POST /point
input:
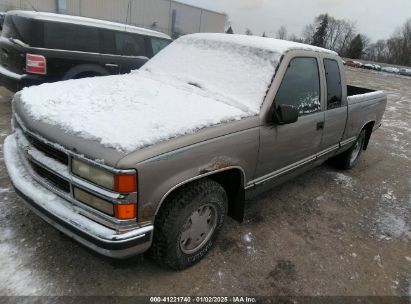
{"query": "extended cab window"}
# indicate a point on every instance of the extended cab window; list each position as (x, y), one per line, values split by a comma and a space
(157, 44)
(301, 86)
(130, 45)
(71, 37)
(334, 90)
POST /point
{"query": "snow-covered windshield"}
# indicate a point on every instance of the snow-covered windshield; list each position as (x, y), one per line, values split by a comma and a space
(239, 72)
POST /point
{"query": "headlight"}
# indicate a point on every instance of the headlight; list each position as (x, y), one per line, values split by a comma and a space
(123, 183)
(93, 174)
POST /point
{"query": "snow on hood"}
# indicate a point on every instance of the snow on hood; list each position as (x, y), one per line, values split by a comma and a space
(196, 82)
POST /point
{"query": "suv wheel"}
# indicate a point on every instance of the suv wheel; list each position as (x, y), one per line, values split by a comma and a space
(188, 224)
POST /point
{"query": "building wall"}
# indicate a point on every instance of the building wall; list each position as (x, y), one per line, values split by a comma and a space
(170, 17)
(212, 22)
(154, 14)
(104, 9)
(187, 18)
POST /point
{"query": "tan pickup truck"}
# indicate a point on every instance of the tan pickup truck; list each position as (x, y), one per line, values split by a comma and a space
(156, 159)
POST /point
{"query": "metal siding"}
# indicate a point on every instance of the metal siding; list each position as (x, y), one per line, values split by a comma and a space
(212, 22)
(143, 13)
(188, 18)
(7, 5)
(154, 11)
(73, 7)
(105, 9)
(41, 5)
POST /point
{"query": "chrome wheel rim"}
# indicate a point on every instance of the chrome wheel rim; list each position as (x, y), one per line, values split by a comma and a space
(356, 150)
(198, 228)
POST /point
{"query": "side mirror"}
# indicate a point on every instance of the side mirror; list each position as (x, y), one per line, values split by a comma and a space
(285, 114)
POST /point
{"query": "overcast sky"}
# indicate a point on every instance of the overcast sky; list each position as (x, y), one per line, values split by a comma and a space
(375, 18)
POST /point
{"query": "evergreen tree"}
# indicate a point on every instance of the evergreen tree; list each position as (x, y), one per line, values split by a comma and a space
(264, 35)
(320, 34)
(229, 30)
(356, 47)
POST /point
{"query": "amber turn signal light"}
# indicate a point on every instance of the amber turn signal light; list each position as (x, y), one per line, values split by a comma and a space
(126, 211)
(125, 183)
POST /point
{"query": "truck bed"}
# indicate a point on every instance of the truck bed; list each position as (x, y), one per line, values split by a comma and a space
(363, 105)
(353, 90)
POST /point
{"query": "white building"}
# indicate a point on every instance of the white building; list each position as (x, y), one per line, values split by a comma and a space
(171, 17)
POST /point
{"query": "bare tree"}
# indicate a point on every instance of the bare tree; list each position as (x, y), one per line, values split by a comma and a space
(336, 34)
(281, 33)
(293, 37)
(347, 35)
(248, 32)
(308, 33)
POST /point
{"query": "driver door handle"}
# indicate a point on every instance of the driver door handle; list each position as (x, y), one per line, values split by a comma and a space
(320, 125)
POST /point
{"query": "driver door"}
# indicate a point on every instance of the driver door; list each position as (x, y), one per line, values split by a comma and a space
(292, 147)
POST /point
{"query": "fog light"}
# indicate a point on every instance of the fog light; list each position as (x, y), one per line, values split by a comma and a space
(94, 201)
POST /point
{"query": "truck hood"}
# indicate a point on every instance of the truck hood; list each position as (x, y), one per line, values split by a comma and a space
(113, 116)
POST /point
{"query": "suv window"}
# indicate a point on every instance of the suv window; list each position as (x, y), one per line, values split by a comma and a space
(107, 43)
(301, 86)
(130, 45)
(25, 29)
(71, 37)
(157, 44)
(334, 89)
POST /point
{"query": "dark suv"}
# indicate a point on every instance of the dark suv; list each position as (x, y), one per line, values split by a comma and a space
(43, 47)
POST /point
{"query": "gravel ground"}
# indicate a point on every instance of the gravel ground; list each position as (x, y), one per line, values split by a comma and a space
(323, 233)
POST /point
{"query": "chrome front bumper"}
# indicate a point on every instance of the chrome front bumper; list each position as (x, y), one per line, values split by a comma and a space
(67, 217)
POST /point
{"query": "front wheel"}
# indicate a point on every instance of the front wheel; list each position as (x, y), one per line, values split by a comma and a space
(349, 158)
(187, 226)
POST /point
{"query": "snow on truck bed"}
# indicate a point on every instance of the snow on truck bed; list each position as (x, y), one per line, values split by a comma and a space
(198, 81)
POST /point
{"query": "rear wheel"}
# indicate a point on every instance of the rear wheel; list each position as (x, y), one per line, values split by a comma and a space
(188, 224)
(85, 70)
(349, 158)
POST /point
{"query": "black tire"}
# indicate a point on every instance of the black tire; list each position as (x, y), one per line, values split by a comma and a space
(85, 70)
(171, 223)
(349, 158)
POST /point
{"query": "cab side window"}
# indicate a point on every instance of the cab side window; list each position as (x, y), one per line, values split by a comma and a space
(334, 90)
(301, 86)
(157, 44)
(130, 45)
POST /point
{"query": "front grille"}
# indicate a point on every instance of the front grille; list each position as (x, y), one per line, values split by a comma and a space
(51, 178)
(48, 150)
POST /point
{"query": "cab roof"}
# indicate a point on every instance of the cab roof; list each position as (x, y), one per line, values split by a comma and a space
(264, 43)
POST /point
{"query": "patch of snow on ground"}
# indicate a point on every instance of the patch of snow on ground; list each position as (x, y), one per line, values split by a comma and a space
(4, 190)
(220, 274)
(15, 276)
(378, 260)
(345, 180)
(393, 217)
(248, 237)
